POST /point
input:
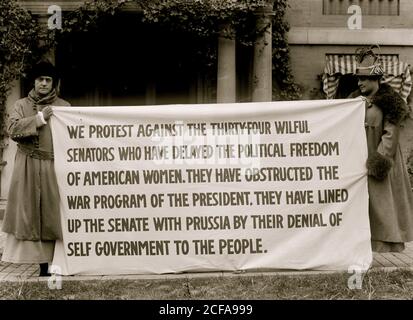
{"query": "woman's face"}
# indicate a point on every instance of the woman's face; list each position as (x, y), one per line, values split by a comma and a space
(43, 85)
(367, 85)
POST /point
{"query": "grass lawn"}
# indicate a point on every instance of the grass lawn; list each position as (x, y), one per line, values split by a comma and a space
(375, 285)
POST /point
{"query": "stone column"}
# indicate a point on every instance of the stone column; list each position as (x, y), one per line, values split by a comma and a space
(226, 77)
(262, 65)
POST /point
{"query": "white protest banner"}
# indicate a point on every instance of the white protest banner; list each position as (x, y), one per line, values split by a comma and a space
(161, 189)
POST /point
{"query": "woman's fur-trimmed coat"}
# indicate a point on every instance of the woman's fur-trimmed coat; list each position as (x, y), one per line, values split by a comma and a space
(390, 194)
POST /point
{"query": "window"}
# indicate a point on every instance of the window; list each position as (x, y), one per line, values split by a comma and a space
(368, 7)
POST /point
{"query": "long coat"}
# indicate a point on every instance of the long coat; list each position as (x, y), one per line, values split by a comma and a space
(390, 194)
(32, 211)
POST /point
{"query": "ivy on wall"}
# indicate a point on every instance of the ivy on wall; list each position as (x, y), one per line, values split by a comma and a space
(281, 65)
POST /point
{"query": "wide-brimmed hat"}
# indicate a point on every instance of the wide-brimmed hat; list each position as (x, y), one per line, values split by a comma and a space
(44, 68)
(368, 63)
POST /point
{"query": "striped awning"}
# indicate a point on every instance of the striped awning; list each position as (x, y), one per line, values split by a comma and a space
(396, 73)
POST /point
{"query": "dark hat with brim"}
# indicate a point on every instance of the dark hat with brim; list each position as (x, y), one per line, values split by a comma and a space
(45, 69)
(368, 65)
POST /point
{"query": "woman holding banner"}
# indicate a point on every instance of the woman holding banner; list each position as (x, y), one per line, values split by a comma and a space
(390, 193)
(32, 218)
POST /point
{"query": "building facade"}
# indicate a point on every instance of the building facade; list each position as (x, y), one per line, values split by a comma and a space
(323, 28)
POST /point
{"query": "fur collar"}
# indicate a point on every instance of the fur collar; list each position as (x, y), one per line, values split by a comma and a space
(393, 107)
(391, 104)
